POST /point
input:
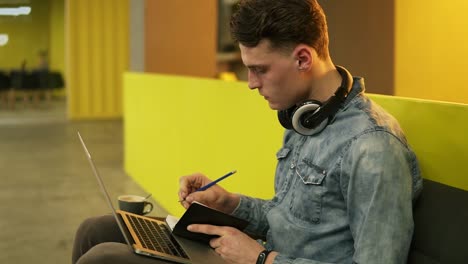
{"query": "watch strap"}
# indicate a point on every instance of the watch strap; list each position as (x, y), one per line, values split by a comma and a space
(262, 256)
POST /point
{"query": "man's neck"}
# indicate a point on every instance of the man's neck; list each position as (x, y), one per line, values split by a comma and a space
(325, 81)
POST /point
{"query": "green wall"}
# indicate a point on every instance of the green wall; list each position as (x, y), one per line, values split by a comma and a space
(41, 30)
(57, 36)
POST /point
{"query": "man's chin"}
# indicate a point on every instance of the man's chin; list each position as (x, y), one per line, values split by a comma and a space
(278, 106)
(275, 106)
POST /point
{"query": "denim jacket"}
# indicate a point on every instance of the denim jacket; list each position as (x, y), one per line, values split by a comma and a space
(342, 195)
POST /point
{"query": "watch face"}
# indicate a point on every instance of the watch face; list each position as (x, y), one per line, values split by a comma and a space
(262, 257)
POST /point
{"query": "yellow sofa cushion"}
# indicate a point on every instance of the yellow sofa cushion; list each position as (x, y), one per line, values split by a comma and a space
(437, 131)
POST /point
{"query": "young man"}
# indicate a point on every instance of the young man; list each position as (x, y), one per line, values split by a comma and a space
(346, 178)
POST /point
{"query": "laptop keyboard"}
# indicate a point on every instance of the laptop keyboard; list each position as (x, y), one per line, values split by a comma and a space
(156, 237)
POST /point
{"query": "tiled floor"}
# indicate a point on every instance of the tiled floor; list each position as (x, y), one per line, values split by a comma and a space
(47, 187)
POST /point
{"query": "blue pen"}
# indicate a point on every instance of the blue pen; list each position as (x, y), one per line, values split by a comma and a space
(216, 181)
(203, 188)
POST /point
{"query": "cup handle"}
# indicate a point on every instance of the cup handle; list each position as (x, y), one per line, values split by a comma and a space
(150, 208)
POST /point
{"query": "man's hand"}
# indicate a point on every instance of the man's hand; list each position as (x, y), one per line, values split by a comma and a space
(215, 196)
(233, 245)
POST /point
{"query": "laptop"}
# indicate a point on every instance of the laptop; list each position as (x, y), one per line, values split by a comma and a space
(152, 237)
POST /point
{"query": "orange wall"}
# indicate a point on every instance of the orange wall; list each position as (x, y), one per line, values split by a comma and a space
(362, 39)
(181, 37)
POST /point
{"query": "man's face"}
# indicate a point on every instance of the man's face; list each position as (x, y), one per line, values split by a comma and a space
(274, 74)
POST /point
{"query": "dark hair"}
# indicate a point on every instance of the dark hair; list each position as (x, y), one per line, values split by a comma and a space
(285, 23)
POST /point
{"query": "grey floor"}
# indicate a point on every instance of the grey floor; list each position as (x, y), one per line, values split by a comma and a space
(47, 187)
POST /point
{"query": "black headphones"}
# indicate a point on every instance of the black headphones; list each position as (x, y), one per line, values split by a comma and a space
(307, 116)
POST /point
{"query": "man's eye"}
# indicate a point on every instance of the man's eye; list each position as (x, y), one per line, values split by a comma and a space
(260, 70)
(257, 70)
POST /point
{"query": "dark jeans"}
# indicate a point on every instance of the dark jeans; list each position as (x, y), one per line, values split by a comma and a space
(99, 240)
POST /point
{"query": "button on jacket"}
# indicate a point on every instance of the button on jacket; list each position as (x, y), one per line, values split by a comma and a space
(343, 194)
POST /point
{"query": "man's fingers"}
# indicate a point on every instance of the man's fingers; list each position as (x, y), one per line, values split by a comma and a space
(182, 195)
(185, 204)
(207, 229)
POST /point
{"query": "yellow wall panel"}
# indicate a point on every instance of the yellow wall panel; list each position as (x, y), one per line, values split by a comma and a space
(97, 56)
(437, 133)
(431, 49)
(180, 125)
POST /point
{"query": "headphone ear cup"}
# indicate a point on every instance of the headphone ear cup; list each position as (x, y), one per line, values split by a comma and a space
(302, 116)
(284, 117)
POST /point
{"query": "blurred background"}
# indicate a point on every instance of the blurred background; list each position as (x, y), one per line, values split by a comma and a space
(61, 66)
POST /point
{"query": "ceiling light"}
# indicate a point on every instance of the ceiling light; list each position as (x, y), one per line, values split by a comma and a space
(3, 39)
(15, 11)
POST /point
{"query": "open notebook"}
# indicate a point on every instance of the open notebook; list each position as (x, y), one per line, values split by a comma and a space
(199, 213)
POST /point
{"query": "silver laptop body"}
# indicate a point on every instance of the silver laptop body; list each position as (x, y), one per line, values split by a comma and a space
(151, 237)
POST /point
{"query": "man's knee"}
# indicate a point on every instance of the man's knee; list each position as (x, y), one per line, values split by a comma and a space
(97, 221)
(94, 231)
(86, 225)
(93, 226)
(105, 253)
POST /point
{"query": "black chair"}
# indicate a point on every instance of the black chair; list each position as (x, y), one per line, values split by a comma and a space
(4, 81)
(441, 226)
(5, 89)
(26, 84)
(17, 79)
(31, 82)
(56, 80)
(40, 80)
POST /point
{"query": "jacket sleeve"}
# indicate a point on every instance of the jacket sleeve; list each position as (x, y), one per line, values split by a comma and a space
(377, 187)
(253, 210)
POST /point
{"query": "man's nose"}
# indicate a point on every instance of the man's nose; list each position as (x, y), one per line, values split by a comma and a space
(254, 83)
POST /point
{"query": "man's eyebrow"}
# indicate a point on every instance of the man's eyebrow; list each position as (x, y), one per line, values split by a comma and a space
(255, 66)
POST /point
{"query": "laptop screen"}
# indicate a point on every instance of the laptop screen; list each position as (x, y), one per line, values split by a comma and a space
(104, 191)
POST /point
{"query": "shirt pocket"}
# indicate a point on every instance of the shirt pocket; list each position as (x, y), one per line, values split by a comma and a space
(309, 188)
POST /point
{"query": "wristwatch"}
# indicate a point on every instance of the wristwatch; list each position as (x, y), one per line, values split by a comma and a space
(262, 256)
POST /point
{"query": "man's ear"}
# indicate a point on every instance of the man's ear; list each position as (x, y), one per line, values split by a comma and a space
(303, 56)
